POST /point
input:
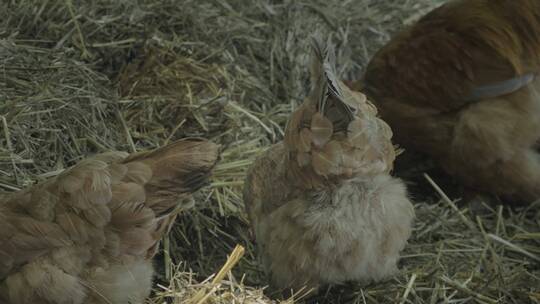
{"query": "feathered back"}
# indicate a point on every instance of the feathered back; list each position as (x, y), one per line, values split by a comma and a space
(174, 172)
(110, 205)
(335, 133)
(178, 169)
(459, 53)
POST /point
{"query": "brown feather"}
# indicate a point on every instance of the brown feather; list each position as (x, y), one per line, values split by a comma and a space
(74, 226)
(328, 161)
(138, 172)
(305, 140)
(357, 135)
(322, 129)
(460, 85)
(118, 172)
(88, 233)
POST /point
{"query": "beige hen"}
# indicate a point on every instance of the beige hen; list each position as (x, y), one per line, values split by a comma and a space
(322, 204)
(88, 235)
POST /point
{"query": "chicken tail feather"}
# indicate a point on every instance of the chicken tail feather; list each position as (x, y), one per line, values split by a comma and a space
(335, 133)
(176, 171)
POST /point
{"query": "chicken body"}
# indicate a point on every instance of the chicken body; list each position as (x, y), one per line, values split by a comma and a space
(461, 86)
(322, 204)
(88, 235)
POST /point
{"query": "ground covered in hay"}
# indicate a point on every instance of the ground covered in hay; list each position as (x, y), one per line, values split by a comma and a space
(82, 77)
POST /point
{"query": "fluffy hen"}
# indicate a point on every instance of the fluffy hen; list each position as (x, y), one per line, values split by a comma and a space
(322, 204)
(88, 235)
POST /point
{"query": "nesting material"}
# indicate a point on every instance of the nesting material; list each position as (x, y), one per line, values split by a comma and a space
(230, 71)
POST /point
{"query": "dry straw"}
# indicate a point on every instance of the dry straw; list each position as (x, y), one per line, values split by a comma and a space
(82, 77)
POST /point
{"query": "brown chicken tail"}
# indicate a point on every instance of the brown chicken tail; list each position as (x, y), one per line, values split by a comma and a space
(176, 171)
(335, 133)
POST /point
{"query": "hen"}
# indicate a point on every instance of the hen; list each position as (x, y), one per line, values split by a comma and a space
(461, 86)
(88, 235)
(322, 204)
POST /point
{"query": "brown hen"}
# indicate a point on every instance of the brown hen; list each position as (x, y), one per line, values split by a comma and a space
(322, 204)
(88, 235)
(461, 86)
